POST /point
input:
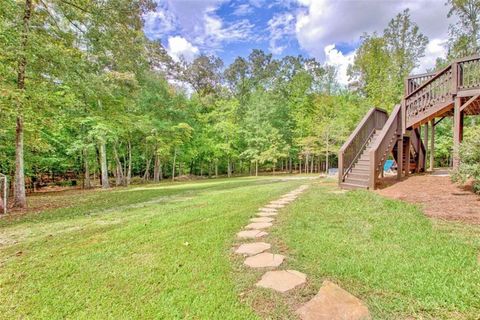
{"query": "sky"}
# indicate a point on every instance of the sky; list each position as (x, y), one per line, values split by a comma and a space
(328, 30)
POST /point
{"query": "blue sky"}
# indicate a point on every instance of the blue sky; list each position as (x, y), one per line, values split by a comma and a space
(328, 30)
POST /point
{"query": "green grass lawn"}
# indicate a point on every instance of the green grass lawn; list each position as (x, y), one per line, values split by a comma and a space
(385, 252)
(148, 252)
(165, 252)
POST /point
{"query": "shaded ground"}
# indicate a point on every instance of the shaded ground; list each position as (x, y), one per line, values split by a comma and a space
(438, 196)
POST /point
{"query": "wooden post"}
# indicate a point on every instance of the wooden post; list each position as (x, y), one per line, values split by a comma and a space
(457, 132)
(432, 145)
(399, 157)
(425, 143)
(407, 157)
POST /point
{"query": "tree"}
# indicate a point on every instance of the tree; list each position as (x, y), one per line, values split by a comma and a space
(383, 62)
(470, 160)
(465, 33)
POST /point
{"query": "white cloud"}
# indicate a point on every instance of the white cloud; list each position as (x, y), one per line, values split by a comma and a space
(322, 22)
(435, 49)
(280, 27)
(341, 61)
(243, 10)
(159, 23)
(214, 33)
(180, 47)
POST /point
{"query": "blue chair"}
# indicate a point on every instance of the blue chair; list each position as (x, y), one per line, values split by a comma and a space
(388, 165)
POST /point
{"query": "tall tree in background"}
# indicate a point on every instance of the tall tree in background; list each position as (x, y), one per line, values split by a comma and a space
(465, 34)
(382, 62)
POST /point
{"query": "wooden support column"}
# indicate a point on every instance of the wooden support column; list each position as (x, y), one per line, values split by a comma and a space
(457, 132)
(399, 156)
(432, 145)
(425, 143)
(407, 156)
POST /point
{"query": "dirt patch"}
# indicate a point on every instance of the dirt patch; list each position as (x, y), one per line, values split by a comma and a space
(438, 196)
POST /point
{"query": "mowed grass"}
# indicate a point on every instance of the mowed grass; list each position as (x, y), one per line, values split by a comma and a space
(155, 252)
(385, 252)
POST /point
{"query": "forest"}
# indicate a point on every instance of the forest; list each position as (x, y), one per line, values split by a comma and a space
(87, 99)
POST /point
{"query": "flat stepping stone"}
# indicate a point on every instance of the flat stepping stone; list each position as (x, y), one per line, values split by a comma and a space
(253, 248)
(282, 281)
(259, 225)
(267, 214)
(267, 209)
(332, 302)
(264, 260)
(262, 219)
(275, 206)
(284, 202)
(251, 234)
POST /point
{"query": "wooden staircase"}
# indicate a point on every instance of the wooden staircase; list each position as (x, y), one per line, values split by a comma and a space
(453, 91)
(359, 175)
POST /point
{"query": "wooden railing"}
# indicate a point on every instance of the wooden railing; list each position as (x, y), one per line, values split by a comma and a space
(436, 91)
(358, 140)
(429, 97)
(415, 81)
(384, 143)
(469, 73)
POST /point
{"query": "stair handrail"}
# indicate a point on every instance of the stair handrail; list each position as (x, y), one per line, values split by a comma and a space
(357, 141)
(382, 144)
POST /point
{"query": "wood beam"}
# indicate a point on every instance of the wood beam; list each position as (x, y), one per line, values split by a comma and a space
(407, 156)
(425, 143)
(457, 132)
(399, 157)
(432, 145)
(441, 119)
(469, 102)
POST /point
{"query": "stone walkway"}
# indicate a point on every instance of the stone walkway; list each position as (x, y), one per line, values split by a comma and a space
(331, 302)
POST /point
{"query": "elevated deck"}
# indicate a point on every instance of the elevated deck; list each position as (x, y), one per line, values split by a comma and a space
(452, 92)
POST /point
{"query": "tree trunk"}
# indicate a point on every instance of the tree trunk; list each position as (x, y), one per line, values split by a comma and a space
(86, 181)
(119, 178)
(104, 166)
(129, 170)
(256, 168)
(229, 168)
(290, 164)
(312, 163)
(326, 156)
(20, 197)
(216, 168)
(306, 163)
(156, 169)
(174, 164)
(146, 175)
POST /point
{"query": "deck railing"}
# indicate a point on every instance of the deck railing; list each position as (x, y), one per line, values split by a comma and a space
(384, 143)
(415, 81)
(469, 74)
(358, 140)
(426, 99)
(436, 91)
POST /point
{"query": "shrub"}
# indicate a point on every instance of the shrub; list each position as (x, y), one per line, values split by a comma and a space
(469, 160)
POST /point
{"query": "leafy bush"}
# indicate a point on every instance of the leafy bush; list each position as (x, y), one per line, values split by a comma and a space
(469, 160)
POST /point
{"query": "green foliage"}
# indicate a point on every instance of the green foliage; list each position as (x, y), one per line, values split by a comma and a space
(469, 159)
(383, 62)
